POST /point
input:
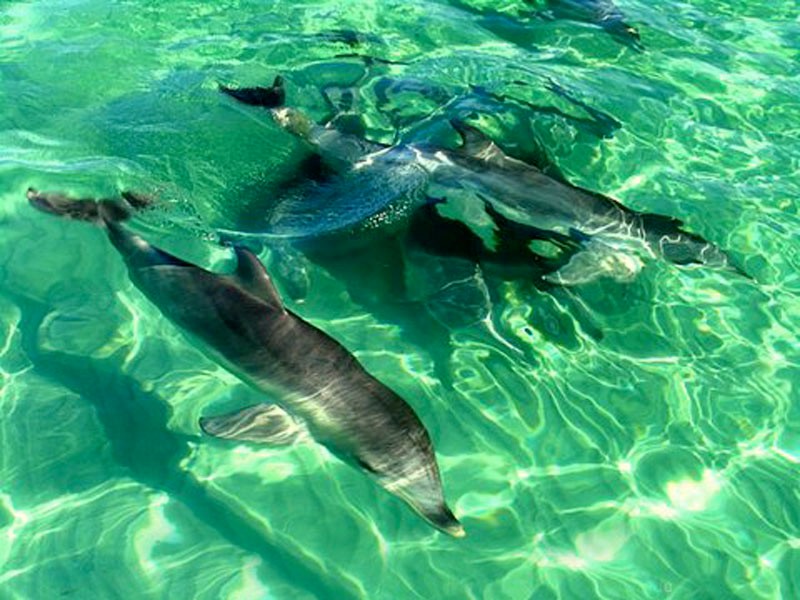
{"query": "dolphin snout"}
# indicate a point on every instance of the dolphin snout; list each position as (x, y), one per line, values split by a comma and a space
(456, 531)
(445, 521)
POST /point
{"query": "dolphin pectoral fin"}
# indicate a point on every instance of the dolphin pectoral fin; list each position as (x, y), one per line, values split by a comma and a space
(261, 424)
(596, 260)
(253, 277)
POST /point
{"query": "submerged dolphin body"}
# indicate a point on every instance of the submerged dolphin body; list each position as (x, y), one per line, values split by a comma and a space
(513, 25)
(318, 385)
(596, 235)
(359, 195)
(603, 13)
(609, 237)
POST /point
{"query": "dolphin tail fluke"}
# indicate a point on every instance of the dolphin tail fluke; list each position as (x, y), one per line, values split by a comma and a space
(261, 424)
(87, 209)
(78, 209)
(273, 96)
(108, 214)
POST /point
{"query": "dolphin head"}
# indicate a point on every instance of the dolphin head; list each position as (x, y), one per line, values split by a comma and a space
(692, 249)
(445, 521)
(686, 248)
(434, 510)
(422, 491)
(667, 237)
(624, 33)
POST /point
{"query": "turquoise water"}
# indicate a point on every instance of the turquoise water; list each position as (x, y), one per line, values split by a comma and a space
(612, 440)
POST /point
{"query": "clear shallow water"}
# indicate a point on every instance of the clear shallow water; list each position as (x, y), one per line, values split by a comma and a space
(635, 440)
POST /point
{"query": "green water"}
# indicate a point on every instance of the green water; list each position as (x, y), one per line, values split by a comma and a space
(637, 440)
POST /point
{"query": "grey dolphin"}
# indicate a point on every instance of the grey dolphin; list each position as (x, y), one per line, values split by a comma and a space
(318, 386)
(341, 192)
(604, 237)
(610, 237)
(513, 25)
(603, 13)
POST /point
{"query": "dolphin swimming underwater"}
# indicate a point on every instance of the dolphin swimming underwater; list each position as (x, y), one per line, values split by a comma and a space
(598, 235)
(318, 386)
(609, 237)
(603, 13)
(510, 22)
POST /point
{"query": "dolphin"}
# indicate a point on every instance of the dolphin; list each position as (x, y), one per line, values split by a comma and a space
(607, 237)
(317, 385)
(513, 25)
(592, 234)
(603, 13)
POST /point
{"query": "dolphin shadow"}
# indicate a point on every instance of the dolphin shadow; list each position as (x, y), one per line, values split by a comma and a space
(135, 423)
(448, 252)
(374, 274)
(511, 260)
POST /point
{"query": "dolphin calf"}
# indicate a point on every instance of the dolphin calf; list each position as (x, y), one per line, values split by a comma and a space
(318, 387)
(592, 234)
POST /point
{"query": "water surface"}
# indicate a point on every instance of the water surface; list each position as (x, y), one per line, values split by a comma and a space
(637, 440)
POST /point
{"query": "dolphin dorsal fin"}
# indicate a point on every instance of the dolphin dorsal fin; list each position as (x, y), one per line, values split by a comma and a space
(476, 144)
(253, 277)
(474, 141)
